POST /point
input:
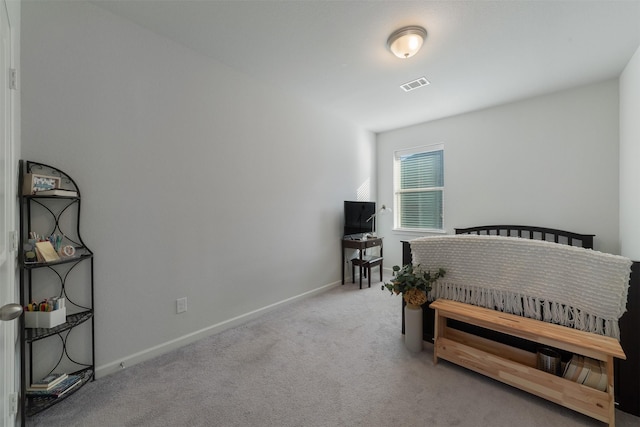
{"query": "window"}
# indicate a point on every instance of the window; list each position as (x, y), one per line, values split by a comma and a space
(419, 188)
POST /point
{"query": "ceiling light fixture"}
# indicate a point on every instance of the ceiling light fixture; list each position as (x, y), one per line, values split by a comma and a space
(407, 41)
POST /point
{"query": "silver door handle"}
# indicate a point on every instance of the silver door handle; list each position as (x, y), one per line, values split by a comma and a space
(10, 311)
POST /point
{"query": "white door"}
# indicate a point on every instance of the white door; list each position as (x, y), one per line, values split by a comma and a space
(8, 329)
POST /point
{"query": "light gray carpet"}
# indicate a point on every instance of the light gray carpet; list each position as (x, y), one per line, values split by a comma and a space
(336, 359)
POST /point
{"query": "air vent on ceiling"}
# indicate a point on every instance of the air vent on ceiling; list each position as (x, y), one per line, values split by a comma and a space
(415, 84)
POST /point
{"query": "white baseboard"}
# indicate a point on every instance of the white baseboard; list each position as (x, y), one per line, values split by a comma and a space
(158, 350)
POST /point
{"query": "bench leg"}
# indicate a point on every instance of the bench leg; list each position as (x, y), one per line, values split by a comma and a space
(612, 405)
(437, 332)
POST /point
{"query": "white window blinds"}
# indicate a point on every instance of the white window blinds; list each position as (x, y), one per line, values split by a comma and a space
(419, 188)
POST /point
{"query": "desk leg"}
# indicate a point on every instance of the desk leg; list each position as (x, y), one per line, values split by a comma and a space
(361, 250)
(342, 261)
(381, 262)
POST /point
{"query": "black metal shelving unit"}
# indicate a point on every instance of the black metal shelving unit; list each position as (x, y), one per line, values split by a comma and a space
(54, 215)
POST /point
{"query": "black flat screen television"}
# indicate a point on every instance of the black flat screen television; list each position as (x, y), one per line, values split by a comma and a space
(356, 215)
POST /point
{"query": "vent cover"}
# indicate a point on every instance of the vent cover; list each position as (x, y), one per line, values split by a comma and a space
(415, 84)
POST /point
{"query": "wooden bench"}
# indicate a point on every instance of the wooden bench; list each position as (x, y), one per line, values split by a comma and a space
(517, 367)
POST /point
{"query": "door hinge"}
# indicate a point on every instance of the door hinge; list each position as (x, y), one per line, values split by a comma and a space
(13, 79)
(13, 403)
(14, 240)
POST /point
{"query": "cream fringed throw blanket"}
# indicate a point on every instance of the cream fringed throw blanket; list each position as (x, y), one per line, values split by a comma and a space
(571, 286)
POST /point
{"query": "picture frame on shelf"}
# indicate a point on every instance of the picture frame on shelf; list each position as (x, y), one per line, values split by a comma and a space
(35, 182)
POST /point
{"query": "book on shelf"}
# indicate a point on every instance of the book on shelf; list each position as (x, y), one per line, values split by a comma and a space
(45, 252)
(57, 192)
(583, 371)
(574, 368)
(594, 373)
(587, 371)
(60, 389)
(48, 382)
(604, 378)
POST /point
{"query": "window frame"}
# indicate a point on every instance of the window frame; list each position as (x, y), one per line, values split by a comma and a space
(397, 191)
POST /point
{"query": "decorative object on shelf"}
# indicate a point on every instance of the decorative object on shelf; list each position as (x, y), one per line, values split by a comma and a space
(67, 251)
(41, 249)
(413, 283)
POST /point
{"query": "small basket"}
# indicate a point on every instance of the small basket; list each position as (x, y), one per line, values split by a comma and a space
(45, 319)
(549, 360)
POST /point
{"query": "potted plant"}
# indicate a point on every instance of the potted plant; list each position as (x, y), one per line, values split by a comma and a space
(413, 283)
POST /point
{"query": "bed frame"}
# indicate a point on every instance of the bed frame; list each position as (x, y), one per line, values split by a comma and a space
(627, 381)
(533, 233)
(522, 231)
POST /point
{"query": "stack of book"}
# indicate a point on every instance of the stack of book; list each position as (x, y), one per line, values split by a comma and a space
(53, 385)
(587, 371)
(57, 192)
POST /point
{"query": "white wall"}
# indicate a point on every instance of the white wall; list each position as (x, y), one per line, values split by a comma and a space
(550, 161)
(629, 159)
(196, 181)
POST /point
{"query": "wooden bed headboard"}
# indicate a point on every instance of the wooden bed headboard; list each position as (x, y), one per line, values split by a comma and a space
(534, 233)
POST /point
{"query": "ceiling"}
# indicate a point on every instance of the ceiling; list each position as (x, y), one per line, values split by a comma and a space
(333, 54)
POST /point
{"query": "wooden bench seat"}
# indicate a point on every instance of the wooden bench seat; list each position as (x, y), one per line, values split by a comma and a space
(517, 367)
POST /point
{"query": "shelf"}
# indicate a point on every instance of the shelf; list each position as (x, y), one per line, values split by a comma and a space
(54, 215)
(52, 197)
(518, 368)
(572, 395)
(35, 404)
(86, 253)
(73, 320)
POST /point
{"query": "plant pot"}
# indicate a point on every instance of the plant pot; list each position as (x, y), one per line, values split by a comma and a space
(413, 327)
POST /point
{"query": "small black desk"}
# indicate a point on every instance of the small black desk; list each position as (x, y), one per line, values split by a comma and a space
(362, 245)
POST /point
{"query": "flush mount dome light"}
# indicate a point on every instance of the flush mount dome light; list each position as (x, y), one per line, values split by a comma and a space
(407, 41)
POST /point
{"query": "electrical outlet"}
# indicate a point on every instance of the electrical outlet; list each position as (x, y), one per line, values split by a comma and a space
(181, 305)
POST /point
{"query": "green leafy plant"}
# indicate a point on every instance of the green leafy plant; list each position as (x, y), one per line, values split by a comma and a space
(413, 282)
